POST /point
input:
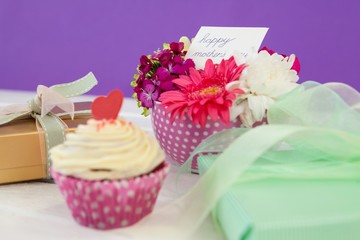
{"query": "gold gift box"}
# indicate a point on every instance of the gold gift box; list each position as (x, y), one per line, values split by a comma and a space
(20, 150)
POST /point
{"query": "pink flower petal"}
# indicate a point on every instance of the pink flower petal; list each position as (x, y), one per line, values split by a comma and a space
(195, 76)
(172, 107)
(172, 96)
(203, 101)
(183, 81)
(224, 114)
(209, 69)
(182, 113)
(213, 111)
(190, 110)
(202, 115)
(174, 114)
(196, 108)
(221, 69)
(219, 100)
(237, 73)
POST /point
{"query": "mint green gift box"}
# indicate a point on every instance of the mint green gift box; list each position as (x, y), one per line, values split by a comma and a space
(296, 179)
(275, 209)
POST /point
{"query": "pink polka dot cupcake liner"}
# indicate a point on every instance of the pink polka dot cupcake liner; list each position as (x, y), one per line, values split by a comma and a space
(109, 204)
(180, 138)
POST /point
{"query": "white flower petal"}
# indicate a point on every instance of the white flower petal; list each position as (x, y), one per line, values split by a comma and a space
(237, 109)
(239, 58)
(232, 85)
(258, 105)
(247, 117)
(292, 59)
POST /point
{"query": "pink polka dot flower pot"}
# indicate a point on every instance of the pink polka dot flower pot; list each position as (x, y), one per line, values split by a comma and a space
(109, 204)
(189, 103)
(179, 138)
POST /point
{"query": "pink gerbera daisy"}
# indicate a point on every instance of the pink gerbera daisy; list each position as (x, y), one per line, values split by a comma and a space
(203, 93)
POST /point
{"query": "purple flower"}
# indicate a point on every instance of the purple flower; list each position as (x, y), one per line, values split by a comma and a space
(137, 90)
(182, 68)
(178, 60)
(149, 94)
(165, 57)
(156, 74)
(145, 64)
(189, 63)
(140, 78)
(177, 47)
(168, 85)
(139, 83)
(162, 74)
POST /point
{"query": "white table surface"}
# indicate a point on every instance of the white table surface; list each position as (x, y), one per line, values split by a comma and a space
(36, 210)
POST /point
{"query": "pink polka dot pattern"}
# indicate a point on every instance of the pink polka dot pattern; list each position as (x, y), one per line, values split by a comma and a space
(180, 138)
(109, 204)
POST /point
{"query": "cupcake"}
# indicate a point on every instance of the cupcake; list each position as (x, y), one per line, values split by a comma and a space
(109, 170)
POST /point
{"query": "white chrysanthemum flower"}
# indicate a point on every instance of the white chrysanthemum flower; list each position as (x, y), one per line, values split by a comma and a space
(265, 79)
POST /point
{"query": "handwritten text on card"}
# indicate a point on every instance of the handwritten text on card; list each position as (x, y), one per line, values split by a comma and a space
(218, 43)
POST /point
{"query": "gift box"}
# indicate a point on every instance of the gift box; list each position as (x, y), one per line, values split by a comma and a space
(20, 147)
(293, 209)
(28, 131)
(298, 177)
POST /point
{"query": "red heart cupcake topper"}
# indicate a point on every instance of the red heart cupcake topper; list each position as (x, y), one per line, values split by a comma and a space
(107, 107)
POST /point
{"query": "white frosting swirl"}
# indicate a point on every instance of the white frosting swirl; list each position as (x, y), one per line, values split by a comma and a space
(107, 150)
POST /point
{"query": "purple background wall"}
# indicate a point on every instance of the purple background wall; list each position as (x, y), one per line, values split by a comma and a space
(48, 42)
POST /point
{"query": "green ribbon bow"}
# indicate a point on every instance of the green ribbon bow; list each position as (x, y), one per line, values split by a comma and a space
(41, 106)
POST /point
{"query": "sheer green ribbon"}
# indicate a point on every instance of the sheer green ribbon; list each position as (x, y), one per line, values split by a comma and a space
(314, 133)
(41, 106)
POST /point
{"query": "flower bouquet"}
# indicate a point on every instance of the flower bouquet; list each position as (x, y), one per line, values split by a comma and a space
(189, 104)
